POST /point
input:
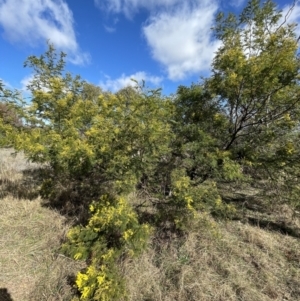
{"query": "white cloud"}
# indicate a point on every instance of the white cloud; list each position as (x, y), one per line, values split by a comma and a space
(33, 21)
(237, 3)
(177, 32)
(125, 81)
(181, 40)
(5, 83)
(26, 81)
(130, 7)
(109, 29)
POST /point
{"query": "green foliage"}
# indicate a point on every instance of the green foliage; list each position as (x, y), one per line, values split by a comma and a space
(255, 73)
(201, 125)
(5, 131)
(113, 232)
(256, 80)
(10, 115)
(188, 200)
(241, 123)
(101, 283)
(92, 141)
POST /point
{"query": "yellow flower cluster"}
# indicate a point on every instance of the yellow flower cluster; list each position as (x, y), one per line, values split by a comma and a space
(95, 281)
(127, 234)
(101, 280)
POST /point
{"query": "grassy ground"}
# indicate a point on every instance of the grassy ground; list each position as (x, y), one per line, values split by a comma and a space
(30, 235)
(244, 260)
(220, 262)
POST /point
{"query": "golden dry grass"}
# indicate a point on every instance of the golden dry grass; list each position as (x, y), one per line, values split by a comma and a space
(30, 236)
(218, 262)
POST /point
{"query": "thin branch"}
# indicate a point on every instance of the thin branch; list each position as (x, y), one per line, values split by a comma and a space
(287, 15)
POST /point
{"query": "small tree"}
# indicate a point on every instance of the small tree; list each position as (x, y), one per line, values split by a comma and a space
(256, 81)
(255, 73)
(94, 142)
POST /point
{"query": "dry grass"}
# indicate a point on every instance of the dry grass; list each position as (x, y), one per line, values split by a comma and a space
(30, 236)
(216, 261)
(18, 177)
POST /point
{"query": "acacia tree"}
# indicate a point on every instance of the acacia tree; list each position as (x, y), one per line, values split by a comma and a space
(93, 142)
(256, 72)
(256, 82)
(244, 119)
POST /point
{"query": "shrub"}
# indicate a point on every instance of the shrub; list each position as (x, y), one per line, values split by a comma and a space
(113, 232)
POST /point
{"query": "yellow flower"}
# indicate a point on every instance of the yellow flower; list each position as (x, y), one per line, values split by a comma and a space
(127, 234)
(189, 202)
(100, 279)
(86, 291)
(77, 256)
(218, 202)
(108, 255)
(92, 208)
(81, 279)
(91, 270)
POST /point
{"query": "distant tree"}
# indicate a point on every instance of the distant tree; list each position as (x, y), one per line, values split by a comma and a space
(10, 116)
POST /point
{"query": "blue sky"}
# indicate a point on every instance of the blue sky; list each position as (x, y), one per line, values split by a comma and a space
(167, 43)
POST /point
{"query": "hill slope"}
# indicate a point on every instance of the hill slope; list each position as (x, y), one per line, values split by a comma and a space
(216, 260)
